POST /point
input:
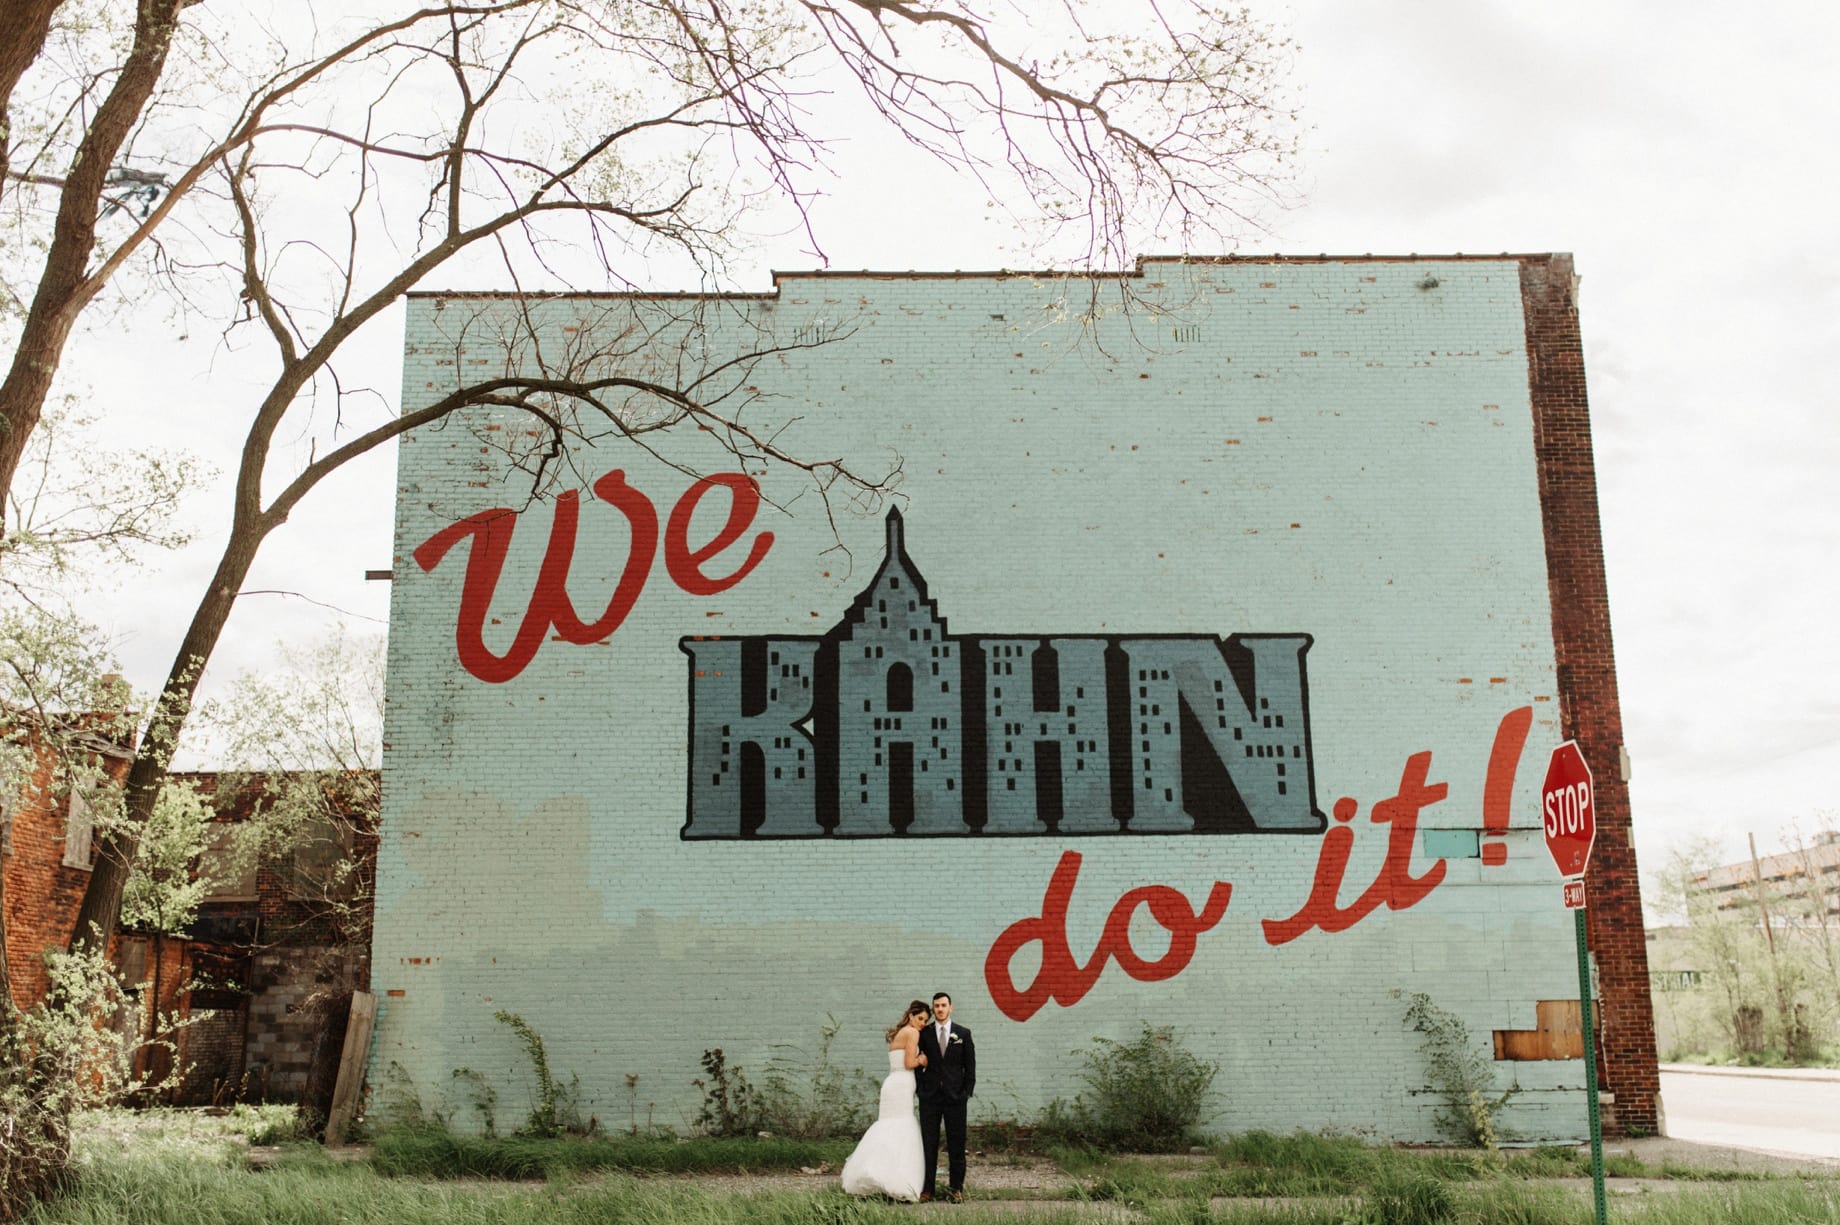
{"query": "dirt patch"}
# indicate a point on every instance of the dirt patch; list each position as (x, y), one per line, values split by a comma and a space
(1027, 1177)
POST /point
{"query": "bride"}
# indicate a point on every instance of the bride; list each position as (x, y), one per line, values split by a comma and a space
(887, 1160)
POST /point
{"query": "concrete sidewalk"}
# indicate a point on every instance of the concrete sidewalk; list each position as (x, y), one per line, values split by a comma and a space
(1666, 1150)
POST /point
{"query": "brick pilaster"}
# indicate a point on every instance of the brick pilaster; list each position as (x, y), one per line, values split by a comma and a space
(1589, 708)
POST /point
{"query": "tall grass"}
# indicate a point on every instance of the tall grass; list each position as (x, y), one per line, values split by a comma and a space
(1772, 1203)
(437, 1153)
(313, 1190)
(1145, 1095)
(172, 1174)
(1386, 1184)
(309, 1189)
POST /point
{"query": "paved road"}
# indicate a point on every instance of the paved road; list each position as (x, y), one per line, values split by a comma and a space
(1771, 1111)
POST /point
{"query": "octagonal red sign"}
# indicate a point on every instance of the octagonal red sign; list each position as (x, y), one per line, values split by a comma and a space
(1568, 809)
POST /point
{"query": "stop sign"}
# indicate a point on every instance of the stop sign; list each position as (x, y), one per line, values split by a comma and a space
(1568, 810)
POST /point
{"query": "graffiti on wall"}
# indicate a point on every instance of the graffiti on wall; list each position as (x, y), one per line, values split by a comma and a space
(889, 725)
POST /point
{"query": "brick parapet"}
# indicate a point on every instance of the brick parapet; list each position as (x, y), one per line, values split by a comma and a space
(1589, 706)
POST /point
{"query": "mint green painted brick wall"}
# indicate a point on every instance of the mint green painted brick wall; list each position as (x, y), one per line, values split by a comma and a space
(1324, 448)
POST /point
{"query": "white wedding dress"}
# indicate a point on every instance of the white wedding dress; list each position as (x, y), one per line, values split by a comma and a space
(887, 1160)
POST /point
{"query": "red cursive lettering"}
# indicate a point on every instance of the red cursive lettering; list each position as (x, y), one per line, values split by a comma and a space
(490, 533)
(552, 594)
(1394, 887)
(684, 563)
(1064, 980)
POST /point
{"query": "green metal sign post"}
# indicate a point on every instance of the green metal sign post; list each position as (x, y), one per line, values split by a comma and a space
(1568, 815)
(1590, 1072)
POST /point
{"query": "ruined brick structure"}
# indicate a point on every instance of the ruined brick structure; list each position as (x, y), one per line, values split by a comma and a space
(260, 980)
(46, 857)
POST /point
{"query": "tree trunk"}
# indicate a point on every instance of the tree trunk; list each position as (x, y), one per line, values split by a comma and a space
(114, 851)
(23, 27)
(64, 284)
(6, 975)
(153, 1013)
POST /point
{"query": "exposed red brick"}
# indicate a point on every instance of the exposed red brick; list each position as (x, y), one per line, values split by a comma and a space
(1590, 711)
(42, 894)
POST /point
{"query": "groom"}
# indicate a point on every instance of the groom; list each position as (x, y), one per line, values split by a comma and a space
(944, 1085)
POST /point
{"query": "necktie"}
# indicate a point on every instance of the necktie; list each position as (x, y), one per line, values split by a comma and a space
(944, 1033)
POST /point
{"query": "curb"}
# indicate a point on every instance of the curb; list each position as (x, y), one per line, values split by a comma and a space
(1825, 1075)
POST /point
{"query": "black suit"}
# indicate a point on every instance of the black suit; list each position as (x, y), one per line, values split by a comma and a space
(945, 1085)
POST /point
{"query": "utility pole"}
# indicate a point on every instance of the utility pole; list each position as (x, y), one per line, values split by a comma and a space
(1763, 907)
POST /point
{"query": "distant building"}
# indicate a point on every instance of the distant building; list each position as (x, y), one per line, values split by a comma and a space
(1803, 876)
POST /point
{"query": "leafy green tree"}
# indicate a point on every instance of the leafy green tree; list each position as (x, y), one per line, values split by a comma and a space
(300, 747)
(1813, 904)
(1724, 939)
(66, 719)
(171, 878)
(1756, 978)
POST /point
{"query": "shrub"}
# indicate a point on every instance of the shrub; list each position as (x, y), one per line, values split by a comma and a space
(272, 1124)
(62, 1055)
(812, 1099)
(1147, 1094)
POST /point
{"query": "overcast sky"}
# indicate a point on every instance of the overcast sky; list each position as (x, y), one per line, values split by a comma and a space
(1688, 163)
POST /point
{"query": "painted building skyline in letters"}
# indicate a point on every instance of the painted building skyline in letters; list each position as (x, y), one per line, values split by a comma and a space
(889, 725)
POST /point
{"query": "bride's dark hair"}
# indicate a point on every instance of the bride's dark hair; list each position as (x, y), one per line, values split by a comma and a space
(914, 1008)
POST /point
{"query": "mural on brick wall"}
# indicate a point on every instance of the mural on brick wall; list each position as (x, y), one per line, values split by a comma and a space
(1189, 683)
(820, 736)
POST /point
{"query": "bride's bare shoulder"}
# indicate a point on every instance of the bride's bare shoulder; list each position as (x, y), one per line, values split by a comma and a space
(906, 1040)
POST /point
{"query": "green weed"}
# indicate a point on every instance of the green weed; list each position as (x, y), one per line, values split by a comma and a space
(1414, 1199)
(1460, 1071)
(555, 1111)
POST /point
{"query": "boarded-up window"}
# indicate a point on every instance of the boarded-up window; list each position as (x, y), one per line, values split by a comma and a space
(230, 882)
(79, 827)
(321, 866)
(131, 961)
(1558, 1034)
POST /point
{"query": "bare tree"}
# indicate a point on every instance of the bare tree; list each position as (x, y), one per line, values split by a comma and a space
(69, 277)
(558, 144)
(1156, 117)
(436, 140)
